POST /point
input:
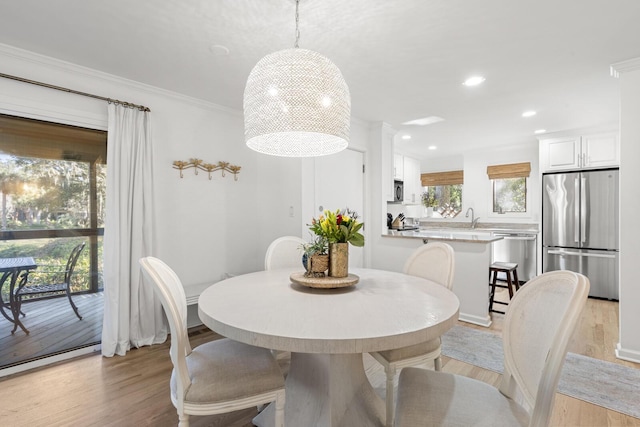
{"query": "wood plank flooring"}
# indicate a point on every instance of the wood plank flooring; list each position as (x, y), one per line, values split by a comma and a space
(134, 390)
(53, 328)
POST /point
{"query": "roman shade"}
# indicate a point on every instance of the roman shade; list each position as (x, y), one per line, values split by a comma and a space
(442, 178)
(513, 170)
(32, 138)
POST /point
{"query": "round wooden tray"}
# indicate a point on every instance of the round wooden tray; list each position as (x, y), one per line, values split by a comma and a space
(324, 282)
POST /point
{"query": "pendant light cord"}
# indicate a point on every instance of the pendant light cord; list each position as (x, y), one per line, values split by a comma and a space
(297, 24)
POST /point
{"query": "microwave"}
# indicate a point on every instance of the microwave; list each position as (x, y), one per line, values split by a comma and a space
(398, 191)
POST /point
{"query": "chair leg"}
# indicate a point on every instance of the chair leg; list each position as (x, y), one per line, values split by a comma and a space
(492, 289)
(391, 373)
(279, 412)
(183, 420)
(515, 278)
(75, 309)
(437, 363)
(509, 285)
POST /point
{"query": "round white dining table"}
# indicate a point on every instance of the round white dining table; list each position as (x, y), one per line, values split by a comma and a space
(327, 330)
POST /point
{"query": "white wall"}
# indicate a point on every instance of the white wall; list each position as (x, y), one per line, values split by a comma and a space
(442, 164)
(205, 228)
(629, 346)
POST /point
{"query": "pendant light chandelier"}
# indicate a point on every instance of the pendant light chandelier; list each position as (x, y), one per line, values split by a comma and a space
(296, 104)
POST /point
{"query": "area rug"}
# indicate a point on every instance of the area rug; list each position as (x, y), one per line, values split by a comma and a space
(595, 381)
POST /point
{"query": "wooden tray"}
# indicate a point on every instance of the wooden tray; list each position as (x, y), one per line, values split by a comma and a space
(324, 282)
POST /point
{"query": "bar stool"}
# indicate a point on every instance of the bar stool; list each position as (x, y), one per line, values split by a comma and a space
(511, 271)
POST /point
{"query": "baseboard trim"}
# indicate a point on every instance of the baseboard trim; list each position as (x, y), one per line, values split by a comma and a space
(476, 320)
(50, 360)
(628, 355)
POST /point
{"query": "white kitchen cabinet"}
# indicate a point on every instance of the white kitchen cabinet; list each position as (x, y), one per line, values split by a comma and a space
(387, 163)
(580, 152)
(600, 150)
(398, 167)
(412, 184)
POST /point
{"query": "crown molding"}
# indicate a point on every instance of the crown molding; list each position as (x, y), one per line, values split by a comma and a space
(625, 67)
(81, 71)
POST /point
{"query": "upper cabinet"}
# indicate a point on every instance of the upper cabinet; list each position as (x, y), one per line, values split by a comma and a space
(411, 178)
(398, 167)
(387, 163)
(580, 152)
(601, 150)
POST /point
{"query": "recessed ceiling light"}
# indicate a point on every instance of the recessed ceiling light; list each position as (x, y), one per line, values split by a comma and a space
(424, 121)
(432, 147)
(473, 81)
(529, 113)
(405, 137)
(539, 131)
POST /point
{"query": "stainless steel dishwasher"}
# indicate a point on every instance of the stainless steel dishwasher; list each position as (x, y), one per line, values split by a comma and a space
(518, 247)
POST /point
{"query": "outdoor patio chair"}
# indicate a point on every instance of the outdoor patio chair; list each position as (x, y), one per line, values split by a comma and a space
(33, 290)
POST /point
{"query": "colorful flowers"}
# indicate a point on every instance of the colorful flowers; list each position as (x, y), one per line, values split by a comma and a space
(340, 226)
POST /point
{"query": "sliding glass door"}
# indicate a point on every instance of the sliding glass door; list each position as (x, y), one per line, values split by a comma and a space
(52, 189)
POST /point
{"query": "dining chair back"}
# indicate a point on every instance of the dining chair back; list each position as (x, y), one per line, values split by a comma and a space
(216, 377)
(537, 329)
(434, 261)
(52, 287)
(284, 252)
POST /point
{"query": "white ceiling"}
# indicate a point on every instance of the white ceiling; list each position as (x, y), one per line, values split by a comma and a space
(402, 60)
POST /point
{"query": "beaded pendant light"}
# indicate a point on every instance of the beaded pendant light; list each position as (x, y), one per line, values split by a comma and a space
(296, 104)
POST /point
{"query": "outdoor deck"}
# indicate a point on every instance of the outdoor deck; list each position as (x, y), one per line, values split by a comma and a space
(53, 328)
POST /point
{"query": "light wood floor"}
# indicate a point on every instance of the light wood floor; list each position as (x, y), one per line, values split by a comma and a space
(134, 390)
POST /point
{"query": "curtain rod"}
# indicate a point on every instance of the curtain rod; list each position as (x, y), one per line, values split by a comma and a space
(64, 89)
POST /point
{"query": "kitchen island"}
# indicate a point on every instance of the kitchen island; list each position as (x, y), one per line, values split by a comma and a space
(472, 258)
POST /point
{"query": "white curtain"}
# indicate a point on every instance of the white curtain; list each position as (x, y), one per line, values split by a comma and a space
(132, 314)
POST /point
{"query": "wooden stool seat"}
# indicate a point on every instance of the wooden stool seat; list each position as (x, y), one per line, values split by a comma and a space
(511, 271)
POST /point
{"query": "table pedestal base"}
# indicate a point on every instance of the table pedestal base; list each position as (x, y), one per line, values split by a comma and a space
(328, 390)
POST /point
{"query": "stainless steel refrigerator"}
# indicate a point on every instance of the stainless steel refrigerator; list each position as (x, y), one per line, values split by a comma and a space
(580, 227)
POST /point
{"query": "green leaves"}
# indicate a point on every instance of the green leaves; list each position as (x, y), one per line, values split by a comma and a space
(338, 227)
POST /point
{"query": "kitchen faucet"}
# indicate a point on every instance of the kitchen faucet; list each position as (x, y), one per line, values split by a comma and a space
(474, 221)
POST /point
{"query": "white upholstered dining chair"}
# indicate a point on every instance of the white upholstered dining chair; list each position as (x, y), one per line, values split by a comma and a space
(434, 261)
(284, 252)
(537, 328)
(216, 377)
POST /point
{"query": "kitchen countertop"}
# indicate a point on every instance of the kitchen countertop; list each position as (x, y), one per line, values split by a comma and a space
(511, 227)
(466, 236)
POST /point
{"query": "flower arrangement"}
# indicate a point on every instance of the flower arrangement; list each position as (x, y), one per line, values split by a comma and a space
(341, 226)
(318, 245)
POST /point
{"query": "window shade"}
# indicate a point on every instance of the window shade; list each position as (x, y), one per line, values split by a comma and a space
(442, 178)
(32, 138)
(513, 170)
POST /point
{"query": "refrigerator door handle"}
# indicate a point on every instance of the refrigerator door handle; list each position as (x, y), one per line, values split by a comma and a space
(576, 213)
(581, 254)
(583, 210)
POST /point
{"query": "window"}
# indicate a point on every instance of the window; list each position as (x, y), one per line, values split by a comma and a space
(509, 195)
(442, 192)
(509, 184)
(52, 189)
